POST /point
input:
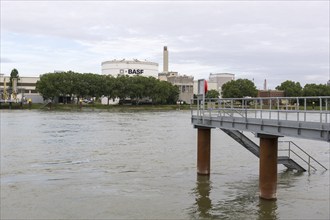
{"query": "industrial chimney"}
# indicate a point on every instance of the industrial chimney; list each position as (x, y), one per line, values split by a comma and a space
(165, 61)
(265, 84)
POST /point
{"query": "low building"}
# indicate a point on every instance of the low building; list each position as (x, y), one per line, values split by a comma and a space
(184, 83)
(270, 93)
(26, 87)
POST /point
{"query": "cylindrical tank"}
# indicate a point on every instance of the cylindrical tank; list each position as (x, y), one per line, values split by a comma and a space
(130, 67)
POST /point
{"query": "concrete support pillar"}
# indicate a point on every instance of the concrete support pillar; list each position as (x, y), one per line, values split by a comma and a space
(268, 166)
(203, 150)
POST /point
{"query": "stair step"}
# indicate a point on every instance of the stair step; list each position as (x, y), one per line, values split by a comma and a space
(289, 163)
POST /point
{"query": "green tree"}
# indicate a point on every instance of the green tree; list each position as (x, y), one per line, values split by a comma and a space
(290, 88)
(137, 87)
(46, 86)
(51, 85)
(212, 94)
(164, 92)
(173, 95)
(81, 86)
(95, 85)
(13, 74)
(325, 90)
(121, 87)
(316, 90)
(109, 90)
(239, 88)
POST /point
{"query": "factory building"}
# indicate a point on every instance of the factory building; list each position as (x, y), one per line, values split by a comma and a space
(184, 83)
(26, 87)
(130, 67)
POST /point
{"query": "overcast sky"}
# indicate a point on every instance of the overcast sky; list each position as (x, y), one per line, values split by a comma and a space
(257, 40)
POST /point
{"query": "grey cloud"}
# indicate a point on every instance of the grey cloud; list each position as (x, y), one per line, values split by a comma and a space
(282, 39)
(5, 60)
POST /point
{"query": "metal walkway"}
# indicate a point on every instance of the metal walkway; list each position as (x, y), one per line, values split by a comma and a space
(302, 117)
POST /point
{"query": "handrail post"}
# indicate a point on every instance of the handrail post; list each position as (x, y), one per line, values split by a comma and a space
(289, 148)
(305, 109)
(326, 109)
(198, 110)
(286, 109)
(270, 108)
(255, 107)
(320, 110)
(261, 108)
(278, 109)
(297, 108)
(309, 164)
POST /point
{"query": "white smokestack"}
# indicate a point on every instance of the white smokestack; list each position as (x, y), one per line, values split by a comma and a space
(165, 61)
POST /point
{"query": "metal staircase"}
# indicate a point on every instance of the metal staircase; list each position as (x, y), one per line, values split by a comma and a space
(254, 148)
(243, 140)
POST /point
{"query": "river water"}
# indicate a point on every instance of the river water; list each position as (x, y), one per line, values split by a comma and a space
(141, 165)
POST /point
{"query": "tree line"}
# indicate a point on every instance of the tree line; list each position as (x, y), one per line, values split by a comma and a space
(83, 85)
(243, 87)
(294, 89)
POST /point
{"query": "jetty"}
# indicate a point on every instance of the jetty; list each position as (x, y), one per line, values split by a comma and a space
(268, 119)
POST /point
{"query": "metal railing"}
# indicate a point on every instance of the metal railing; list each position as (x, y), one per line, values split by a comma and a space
(304, 109)
(297, 151)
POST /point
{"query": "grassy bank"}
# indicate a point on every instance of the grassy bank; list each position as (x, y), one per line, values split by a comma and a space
(93, 107)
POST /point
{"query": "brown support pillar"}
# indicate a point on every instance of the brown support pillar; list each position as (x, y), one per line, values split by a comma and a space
(268, 166)
(203, 150)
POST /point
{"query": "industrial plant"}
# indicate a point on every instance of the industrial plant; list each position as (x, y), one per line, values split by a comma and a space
(25, 87)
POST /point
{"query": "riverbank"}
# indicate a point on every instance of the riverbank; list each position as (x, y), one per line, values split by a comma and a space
(92, 107)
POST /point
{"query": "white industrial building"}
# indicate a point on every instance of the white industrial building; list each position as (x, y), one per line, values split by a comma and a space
(130, 67)
(216, 81)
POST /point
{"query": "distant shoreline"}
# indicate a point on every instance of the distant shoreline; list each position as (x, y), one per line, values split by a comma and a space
(91, 107)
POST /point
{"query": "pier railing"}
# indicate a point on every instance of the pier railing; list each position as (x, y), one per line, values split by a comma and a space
(301, 109)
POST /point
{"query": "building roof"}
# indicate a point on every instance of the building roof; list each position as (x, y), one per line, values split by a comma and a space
(134, 61)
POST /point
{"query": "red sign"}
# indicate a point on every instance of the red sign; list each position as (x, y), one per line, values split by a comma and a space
(205, 87)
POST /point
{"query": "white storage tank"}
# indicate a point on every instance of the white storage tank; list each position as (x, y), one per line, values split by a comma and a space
(130, 67)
